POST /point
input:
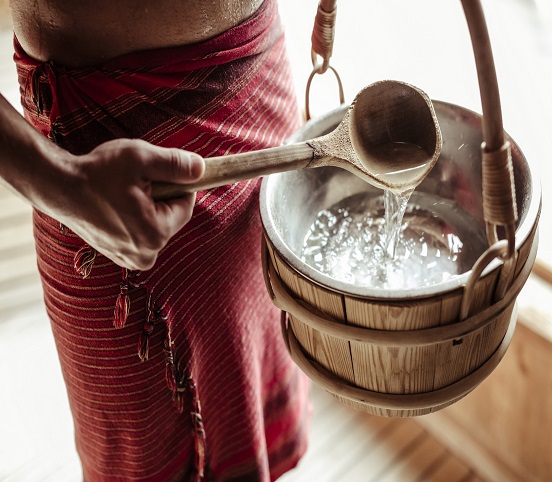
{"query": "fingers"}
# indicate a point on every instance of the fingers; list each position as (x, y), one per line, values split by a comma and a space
(177, 166)
(173, 165)
(171, 216)
(174, 214)
(140, 227)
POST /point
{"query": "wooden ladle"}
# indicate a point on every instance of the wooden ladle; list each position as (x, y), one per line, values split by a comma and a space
(389, 137)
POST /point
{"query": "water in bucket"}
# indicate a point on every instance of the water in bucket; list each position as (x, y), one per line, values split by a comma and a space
(364, 240)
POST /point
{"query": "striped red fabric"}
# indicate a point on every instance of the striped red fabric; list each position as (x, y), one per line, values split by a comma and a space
(191, 377)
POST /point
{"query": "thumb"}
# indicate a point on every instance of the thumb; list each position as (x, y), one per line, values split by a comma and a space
(174, 165)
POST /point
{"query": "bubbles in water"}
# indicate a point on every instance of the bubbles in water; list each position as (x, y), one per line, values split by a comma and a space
(349, 241)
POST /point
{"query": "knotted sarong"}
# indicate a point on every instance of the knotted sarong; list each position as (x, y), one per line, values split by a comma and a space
(179, 372)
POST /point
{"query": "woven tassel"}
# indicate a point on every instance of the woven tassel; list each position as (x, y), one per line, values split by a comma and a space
(199, 445)
(84, 260)
(122, 306)
(178, 400)
(199, 431)
(143, 346)
(34, 84)
(151, 320)
(143, 342)
(170, 378)
(170, 375)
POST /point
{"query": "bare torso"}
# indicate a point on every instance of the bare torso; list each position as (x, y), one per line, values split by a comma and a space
(87, 32)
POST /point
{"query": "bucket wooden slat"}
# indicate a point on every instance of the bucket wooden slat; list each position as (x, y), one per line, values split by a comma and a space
(492, 335)
(382, 368)
(461, 357)
(332, 353)
(454, 361)
(483, 294)
(450, 307)
(447, 358)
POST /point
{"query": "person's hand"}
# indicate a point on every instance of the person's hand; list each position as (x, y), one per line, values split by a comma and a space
(105, 198)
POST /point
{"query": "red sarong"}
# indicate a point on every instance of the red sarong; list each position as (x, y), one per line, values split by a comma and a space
(199, 322)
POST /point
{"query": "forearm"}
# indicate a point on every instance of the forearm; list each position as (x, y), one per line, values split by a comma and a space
(28, 161)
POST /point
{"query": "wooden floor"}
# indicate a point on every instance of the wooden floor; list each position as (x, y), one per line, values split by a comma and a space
(348, 446)
(36, 435)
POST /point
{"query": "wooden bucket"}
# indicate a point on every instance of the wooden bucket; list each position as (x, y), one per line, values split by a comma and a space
(409, 352)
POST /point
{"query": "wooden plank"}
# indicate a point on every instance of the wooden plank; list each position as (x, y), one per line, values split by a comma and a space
(373, 460)
(19, 280)
(13, 207)
(19, 266)
(450, 470)
(13, 232)
(25, 248)
(330, 462)
(367, 432)
(474, 477)
(322, 401)
(23, 299)
(533, 312)
(37, 438)
(415, 462)
(326, 429)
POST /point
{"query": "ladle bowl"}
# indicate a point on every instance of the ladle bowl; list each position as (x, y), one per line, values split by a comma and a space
(398, 136)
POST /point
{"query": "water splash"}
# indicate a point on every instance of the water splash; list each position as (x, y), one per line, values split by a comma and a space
(365, 241)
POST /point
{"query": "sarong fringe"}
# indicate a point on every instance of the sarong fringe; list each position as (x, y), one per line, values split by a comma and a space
(84, 260)
(154, 317)
(122, 305)
(199, 430)
(178, 384)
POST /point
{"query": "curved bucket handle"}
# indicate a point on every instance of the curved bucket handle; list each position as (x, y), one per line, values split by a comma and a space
(499, 199)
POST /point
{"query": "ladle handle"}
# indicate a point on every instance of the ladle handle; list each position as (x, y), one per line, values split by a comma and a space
(237, 167)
